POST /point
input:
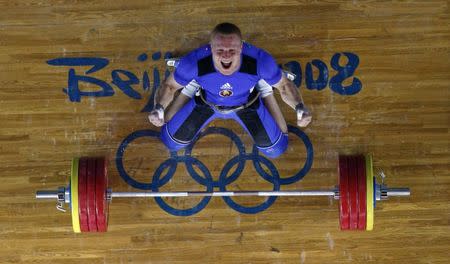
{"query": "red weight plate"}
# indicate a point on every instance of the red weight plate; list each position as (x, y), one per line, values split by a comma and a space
(82, 195)
(343, 193)
(362, 204)
(91, 171)
(353, 191)
(101, 186)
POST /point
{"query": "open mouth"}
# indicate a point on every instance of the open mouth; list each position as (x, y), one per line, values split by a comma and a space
(226, 65)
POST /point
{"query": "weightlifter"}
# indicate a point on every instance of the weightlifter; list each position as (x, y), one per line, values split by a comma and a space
(228, 79)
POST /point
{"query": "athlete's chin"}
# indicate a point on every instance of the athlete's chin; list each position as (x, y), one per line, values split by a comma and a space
(227, 71)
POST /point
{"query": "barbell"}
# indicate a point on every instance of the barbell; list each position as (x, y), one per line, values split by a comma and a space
(89, 197)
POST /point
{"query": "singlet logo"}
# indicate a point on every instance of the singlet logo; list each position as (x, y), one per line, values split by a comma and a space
(226, 90)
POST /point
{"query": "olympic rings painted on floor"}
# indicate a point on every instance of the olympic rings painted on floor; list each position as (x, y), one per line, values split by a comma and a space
(158, 180)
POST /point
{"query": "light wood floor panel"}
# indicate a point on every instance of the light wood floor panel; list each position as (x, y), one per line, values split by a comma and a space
(401, 116)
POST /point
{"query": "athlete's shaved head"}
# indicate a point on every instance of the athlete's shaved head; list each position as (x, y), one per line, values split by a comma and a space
(226, 29)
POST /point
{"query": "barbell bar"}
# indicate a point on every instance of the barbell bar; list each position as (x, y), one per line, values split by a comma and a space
(89, 196)
(387, 192)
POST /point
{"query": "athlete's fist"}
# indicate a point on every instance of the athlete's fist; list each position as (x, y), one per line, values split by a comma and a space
(304, 117)
(156, 116)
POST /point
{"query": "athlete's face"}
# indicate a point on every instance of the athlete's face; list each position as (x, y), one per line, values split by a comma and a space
(226, 52)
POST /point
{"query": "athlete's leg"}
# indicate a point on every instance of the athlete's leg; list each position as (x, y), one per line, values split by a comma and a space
(264, 130)
(185, 125)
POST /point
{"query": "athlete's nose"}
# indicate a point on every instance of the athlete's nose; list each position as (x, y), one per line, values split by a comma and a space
(226, 54)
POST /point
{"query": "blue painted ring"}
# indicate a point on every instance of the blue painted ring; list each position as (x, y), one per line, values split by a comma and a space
(130, 180)
(251, 209)
(237, 141)
(301, 173)
(190, 211)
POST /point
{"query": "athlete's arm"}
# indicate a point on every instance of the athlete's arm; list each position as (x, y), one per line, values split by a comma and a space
(164, 96)
(176, 105)
(266, 92)
(272, 106)
(293, 98)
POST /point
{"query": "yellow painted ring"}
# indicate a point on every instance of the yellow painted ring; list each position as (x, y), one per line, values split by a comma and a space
(74, 195)
(369, 192)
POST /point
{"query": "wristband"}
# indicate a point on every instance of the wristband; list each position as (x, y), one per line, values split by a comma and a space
(300, 107)
(159, 107)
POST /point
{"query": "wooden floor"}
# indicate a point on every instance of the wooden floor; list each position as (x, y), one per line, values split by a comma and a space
(399, 112)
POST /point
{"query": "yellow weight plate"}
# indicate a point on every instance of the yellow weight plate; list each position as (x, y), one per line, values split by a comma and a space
(369, 193)
(74, 195)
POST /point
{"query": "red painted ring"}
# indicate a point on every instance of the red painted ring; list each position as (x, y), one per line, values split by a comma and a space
(353, 191)
(343, 194)
(91, 205)
(362, 203)
(82, 195)
(101, 186)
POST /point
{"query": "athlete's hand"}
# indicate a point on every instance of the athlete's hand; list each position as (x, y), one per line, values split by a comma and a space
(304, 117)
(156, 117)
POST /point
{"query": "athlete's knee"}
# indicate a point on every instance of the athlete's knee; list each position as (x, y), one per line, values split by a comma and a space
(277, 148)
(172, 143)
